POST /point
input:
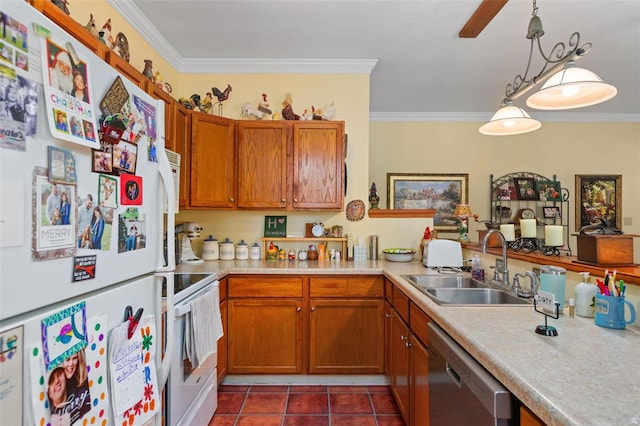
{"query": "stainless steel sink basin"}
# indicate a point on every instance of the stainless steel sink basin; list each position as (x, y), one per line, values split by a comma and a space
(474, 296)
(436, 281)
(463, 291)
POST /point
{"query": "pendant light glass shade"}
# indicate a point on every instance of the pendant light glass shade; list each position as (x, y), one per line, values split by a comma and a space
(571, 87)
(510, 120)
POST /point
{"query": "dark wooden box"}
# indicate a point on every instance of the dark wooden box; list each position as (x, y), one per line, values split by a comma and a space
(606, 249)
(494, 240)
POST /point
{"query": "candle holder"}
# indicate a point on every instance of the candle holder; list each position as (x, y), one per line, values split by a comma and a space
(529, 245)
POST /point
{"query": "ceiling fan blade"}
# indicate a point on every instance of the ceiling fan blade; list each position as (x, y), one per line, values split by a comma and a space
(481, 18)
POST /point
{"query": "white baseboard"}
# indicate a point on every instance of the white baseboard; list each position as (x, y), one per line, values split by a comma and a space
(304, 379)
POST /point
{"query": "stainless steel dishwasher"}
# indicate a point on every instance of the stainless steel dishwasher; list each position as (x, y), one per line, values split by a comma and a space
(461, 391)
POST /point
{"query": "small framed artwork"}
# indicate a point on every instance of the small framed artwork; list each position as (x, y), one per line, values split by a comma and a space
(275, 226)
(101, 161)
(599, 197)
(525, 189)
(107, 194)
(551, 212)
(549, 190)
(130, 190)
(125, 155)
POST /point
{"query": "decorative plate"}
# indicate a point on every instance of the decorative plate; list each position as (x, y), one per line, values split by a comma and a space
(355, 210)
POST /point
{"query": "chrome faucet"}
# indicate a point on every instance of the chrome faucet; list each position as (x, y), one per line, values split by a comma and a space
(501, 267)
(534, 284)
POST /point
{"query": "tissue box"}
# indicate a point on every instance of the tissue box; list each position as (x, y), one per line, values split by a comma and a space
(606, 249)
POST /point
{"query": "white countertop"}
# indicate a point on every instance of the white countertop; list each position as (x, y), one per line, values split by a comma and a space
(587, 375)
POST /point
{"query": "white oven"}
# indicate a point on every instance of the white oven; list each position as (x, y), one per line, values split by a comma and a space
(191, 393)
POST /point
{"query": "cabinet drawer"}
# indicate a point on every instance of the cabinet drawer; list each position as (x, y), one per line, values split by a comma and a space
(370, 286)
(388, 290)
(419, 322)
(265, 287)
(401, 304)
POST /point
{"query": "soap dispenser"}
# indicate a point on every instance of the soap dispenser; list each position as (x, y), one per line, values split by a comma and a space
(585, 293)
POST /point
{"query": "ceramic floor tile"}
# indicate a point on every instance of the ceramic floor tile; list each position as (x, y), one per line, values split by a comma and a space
(264, 403)
(385, 420)
(308, 389)
(233, 388)
(259, 420)
(298, 420)
(308, 403)
(269, 388)
(223, 420)
(353, 421)
(350, 403)
(348, 389)
(379, 389)
(384, 404)
(230, 403)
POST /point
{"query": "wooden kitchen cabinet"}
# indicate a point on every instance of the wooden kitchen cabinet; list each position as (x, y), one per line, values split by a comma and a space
(306, 324)
(346, 326)
(126, 69)
(182, 145)
(400, 366)
(222, 342)
(527, 418)
(212, 158)
(169, 113)
(265, 325)
(291, 165)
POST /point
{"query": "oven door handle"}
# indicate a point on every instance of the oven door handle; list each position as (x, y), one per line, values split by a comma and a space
(182, 310)
(164, 360)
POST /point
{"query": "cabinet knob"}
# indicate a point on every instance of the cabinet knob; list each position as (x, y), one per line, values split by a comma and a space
(283, 200)
(313, 309)
(403, 337)
(298, 309)
(407, 345)
(231, 199)
(388, 315)
(295, 200)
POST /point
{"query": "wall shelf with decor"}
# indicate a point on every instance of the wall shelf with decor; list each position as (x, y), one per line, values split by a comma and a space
(396, 213)
(532, 212)
(267, 240)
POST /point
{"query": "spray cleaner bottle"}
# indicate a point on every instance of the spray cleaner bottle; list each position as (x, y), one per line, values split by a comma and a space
(585, 293)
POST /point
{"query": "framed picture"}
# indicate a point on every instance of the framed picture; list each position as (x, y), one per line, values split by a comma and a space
(275, 226)
(125, 155)
(549, 190)
(107, 194)
(441, 192)
(102, 161)
(525, 189)
(551, 212)
(598, 196)
(131, 190)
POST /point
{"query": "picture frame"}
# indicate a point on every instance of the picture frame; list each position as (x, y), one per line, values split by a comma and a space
(551, 212)
(107, 191)
(598, 197)
(549, 190)
(441, 192)
(101, 161)
(525, 189)
(275, 226)
(125, 155)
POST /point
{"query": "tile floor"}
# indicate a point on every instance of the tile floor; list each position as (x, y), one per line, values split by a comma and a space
(284, 405)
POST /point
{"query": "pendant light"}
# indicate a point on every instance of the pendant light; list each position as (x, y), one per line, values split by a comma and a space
(565, 86)
(510, 120)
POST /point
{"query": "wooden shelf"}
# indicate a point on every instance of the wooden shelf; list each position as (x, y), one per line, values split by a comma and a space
(267, 240)
(398, 213)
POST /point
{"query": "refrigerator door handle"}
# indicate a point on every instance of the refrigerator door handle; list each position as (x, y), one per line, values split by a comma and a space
(167, 180)
(165, 361)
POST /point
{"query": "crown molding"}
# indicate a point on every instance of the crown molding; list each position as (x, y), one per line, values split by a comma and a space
(562, 117)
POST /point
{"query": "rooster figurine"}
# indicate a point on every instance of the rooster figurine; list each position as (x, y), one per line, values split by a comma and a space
(91, 27)
(263, 105)
(287, 109)
(221, 95)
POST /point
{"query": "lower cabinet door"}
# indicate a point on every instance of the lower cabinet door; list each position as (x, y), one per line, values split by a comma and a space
(419, 383)
(400, 367)
(265, 336)
(346, 336)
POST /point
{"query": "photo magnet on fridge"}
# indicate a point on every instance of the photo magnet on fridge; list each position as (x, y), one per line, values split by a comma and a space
(130, 190)
(84, 268)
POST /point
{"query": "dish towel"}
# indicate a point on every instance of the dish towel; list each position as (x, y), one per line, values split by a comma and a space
(203, 327)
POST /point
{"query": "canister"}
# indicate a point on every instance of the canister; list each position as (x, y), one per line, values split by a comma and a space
(374, 247)
(210, 249)
(227, 250)
(254, 252)
(553, 279)
(242, 251)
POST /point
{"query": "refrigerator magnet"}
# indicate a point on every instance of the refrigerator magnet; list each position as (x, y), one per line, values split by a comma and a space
(131, 190)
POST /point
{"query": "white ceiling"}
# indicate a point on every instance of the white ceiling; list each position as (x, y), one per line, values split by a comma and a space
(418, 64)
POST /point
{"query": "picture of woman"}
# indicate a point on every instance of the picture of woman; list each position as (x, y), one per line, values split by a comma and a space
(75, 372)
(97, 228)
(65, 209)
(79, 90)
(57, 390)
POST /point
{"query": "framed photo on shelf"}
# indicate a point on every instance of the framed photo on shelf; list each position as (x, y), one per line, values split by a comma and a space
(598, 197)
(549, 190)
(525, 189)
(429, 191)
(275, 226)
(551, 212)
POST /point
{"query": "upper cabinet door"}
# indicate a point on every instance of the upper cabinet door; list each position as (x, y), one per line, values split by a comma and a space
(213, 175)
(318, 165)
(182, 145)
(262, 165)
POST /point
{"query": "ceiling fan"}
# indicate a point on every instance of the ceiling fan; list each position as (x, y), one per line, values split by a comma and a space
(481, 18)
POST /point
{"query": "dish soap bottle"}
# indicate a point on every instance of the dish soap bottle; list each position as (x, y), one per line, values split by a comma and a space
(477, 269)
(585, 293)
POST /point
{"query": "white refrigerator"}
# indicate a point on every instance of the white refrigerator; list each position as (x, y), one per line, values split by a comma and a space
(86, 194)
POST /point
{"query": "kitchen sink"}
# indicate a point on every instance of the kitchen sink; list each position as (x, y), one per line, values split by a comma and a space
(435, 281)
(474, 296)
(462, 290)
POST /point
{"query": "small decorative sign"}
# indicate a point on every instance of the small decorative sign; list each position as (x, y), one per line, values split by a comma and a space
(275, 226)
(84, 268)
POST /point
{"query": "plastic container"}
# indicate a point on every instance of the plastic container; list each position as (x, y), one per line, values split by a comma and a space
(242, 251)
(585, 297)
(210, 249)
(227, 250)
(553, 279)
